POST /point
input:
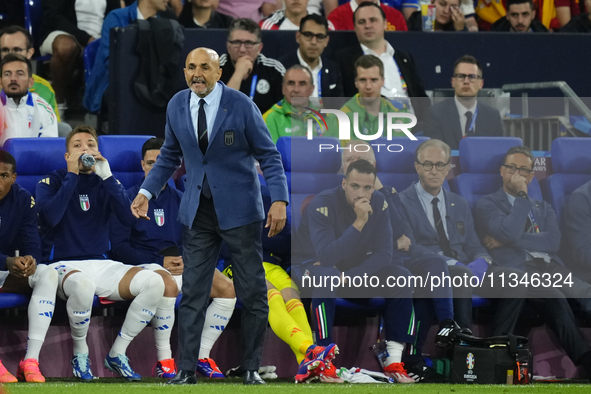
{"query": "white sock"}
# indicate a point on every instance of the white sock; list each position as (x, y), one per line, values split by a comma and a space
(217, 317)
(395, 350)
(162, 324)
(79, 289)
(148, 288)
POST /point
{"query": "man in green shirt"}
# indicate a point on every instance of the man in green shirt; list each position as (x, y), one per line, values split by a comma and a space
(283, 119)
(18, 40)
(368, 103)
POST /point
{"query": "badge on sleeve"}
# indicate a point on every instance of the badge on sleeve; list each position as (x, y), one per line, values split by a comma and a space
(229, 137)
(461, 228)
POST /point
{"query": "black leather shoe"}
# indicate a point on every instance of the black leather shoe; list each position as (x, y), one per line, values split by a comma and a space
(252, 377)
(184, 377)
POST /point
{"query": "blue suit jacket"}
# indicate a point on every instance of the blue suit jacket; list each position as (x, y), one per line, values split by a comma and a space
(239, 136)
(576, 221)
(460, 227)
(442, 122)
(506, 223)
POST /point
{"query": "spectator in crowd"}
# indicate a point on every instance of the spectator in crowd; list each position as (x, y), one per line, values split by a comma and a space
(576, 243)
(463, 116)
(288, 18)
(522, 232)
(245, 68)
(15, 39)
(68, 27)
(368, 104)
(401, 78)
(441, 225)
(98, 83)
(249, 9)
(441, 299)
(148, 241)
(520, 18)
(20, 250)
(26, 114)
(580, 23)
(346, 232)
(448, 17)
(313, 38)
(202, 14)
(75, 205)
(290, 119)
(342, 17)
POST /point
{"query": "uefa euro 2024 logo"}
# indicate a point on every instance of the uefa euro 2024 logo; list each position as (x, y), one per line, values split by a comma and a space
(393, 123)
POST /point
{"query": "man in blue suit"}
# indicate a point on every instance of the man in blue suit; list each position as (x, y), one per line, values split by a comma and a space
(453, 119)
(441, 224)
(523, 233)
(577, 232)
(220, 133)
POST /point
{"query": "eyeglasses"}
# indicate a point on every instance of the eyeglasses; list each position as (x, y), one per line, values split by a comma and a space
(236, 44)
(471, 77)
(522, 171)
(308, 35)
(428, 166)
(13, 50)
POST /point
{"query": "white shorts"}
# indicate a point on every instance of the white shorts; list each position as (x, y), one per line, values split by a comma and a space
(31, 280)
(46, 47)
(106, 275)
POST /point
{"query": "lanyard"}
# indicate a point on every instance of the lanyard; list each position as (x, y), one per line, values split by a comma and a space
(319, 82)
(533, 222)
(253, 86)
(473, 122)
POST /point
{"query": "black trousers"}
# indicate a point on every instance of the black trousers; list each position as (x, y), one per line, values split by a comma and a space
(201, 248)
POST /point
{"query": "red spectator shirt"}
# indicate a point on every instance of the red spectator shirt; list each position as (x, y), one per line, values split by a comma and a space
(342, 18)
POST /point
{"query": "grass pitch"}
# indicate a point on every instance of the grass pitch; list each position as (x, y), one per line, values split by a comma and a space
(235, 386)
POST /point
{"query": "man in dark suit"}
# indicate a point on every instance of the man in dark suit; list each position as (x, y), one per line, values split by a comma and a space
(462, 116)
(313, 39)
(220, 133)
(401, 79)
(441, 224)
(577, 231)
(522, 232)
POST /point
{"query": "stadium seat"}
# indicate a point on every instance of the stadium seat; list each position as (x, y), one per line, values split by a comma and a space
(35, 158)
(9, 300)
(33, 20)
(124, 153)
(89, 57)
(308, 170)
(397, 169)
(480, 162)
(571, 163)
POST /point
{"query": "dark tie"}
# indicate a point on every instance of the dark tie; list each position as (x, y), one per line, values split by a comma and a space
(467, 131)
(443, 241)
(202, 127)
(203, 141)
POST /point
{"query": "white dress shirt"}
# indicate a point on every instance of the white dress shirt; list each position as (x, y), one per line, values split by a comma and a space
(462, 113)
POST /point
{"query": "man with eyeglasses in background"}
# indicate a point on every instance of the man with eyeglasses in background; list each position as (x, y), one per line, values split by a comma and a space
(313, 39)
(246, 69)
(440, 224)
(463, 116)
(522, 232)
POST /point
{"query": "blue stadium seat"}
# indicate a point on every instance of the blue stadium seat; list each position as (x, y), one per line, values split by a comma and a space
(9, 300)
(124, 153)
(89, 57)
(308, 170)
(571, 163)
(35, 158)
(480, 161)
(33, 20)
